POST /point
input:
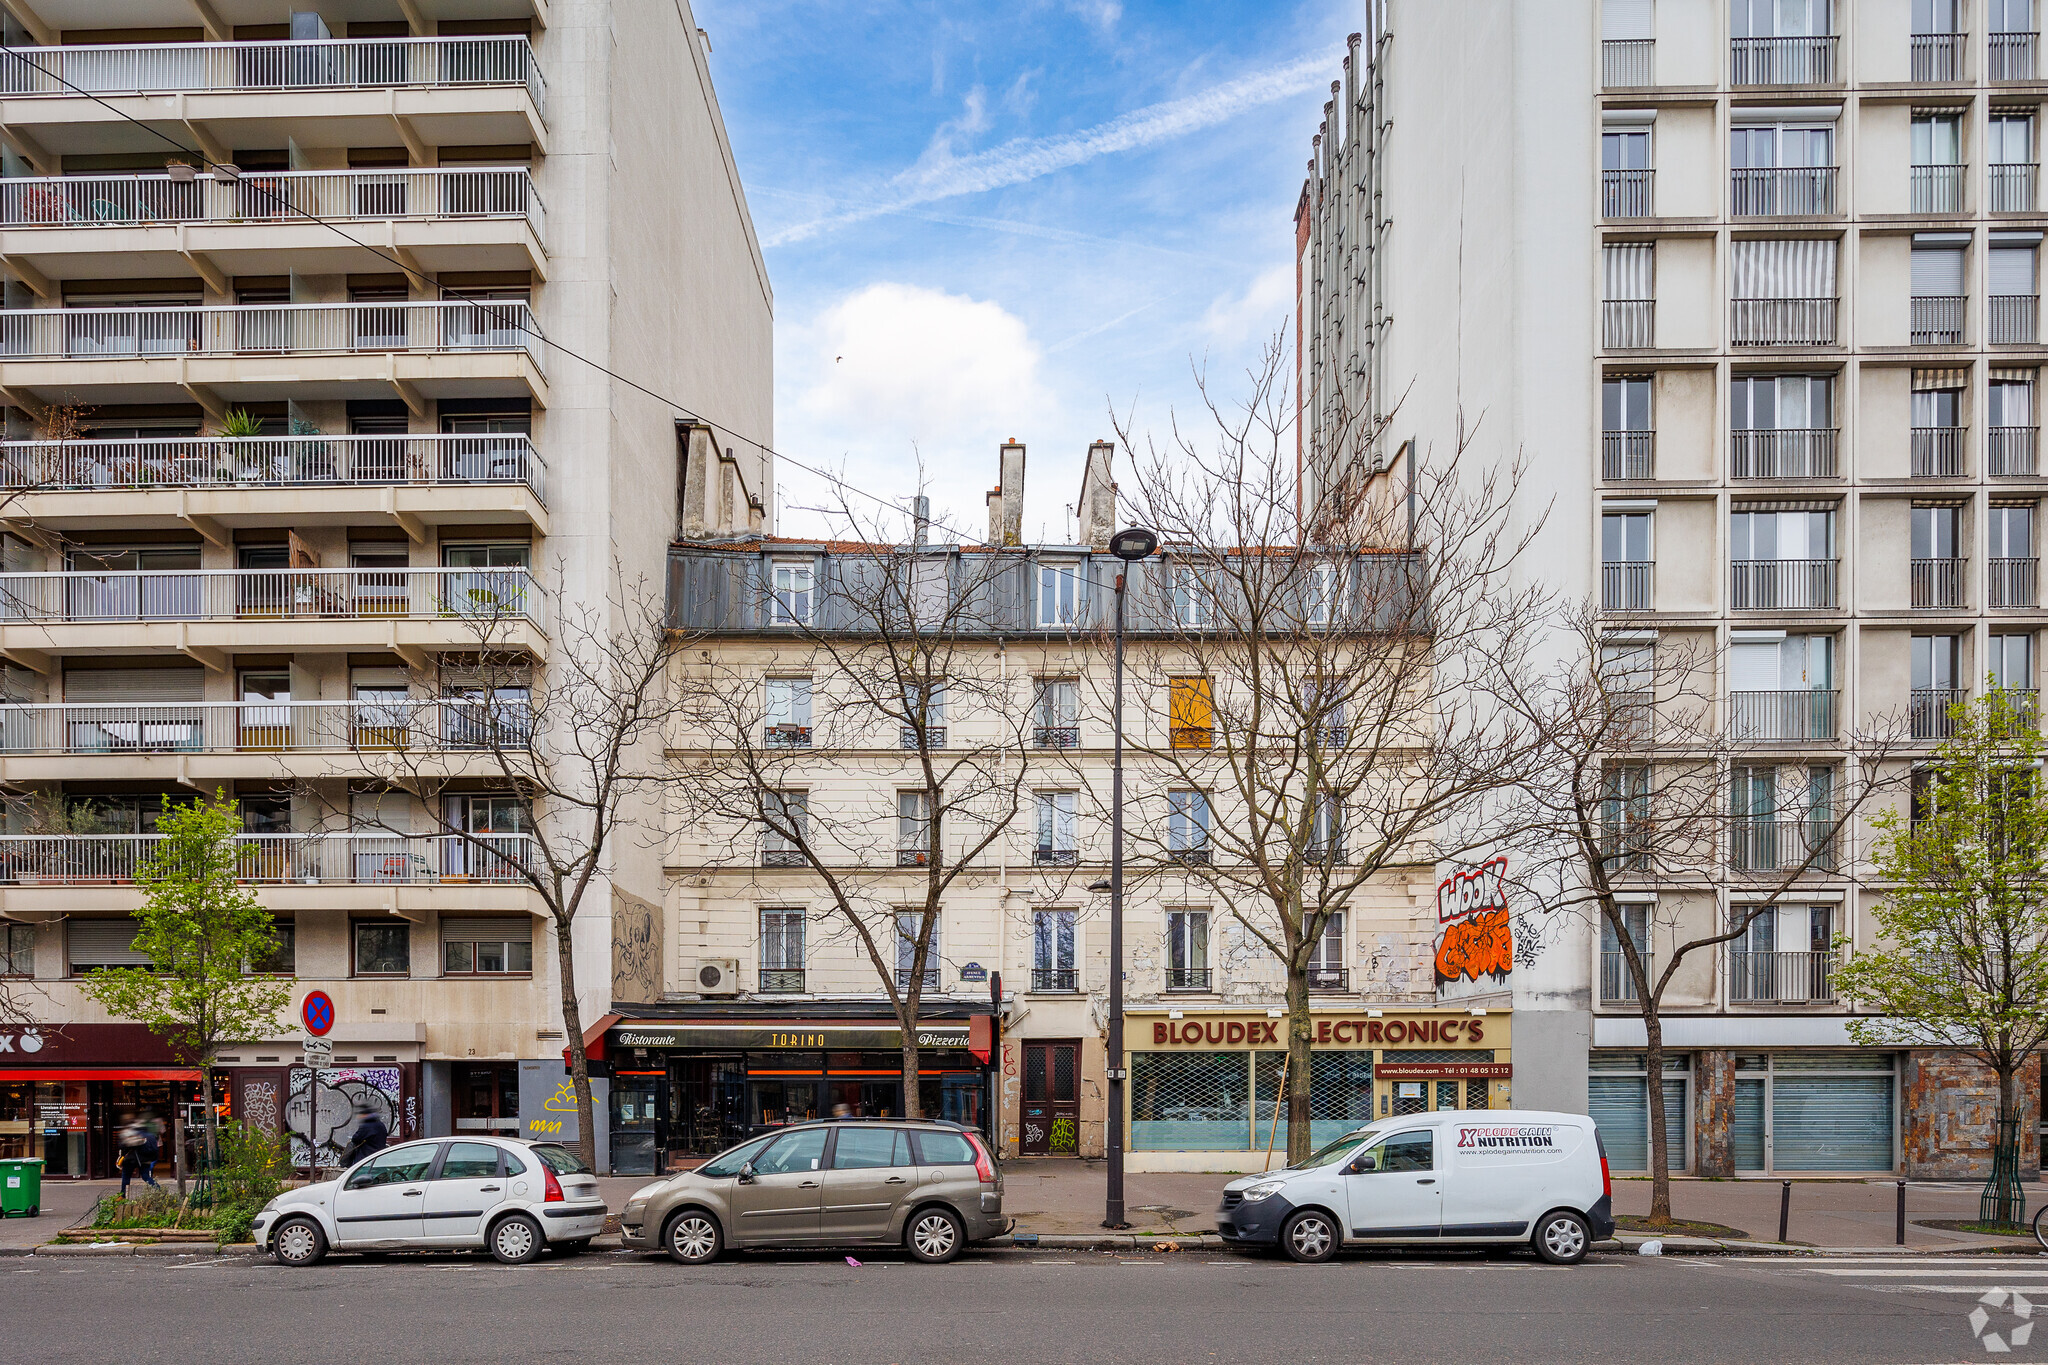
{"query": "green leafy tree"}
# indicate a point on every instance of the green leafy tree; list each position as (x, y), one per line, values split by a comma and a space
(203, 934)
(1962, 960)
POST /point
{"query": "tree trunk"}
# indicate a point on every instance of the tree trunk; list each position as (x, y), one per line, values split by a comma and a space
(1653, 1064)
(579, 1060)
(178, 1140)
(1300, 1032)
(212, 1119)
(913, 1103)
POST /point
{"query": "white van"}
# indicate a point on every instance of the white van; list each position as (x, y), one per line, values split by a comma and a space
(1471, 1177)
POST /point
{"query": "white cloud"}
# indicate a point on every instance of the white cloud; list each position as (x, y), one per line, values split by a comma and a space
(1255, 312)
(1101, 13)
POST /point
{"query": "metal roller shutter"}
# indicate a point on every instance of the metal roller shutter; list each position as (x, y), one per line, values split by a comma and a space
(1831, 1123)
(1620, 1107)
(1937, 272)
(492, 929)
(1625, 20)
(103, 943)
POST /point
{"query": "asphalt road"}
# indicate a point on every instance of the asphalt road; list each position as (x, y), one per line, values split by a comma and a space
(780, 1309)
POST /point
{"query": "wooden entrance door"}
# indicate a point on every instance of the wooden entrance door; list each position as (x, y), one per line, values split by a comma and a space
(1052, 1095)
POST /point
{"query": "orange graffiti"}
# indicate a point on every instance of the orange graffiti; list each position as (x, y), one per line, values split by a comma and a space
(1481, 946)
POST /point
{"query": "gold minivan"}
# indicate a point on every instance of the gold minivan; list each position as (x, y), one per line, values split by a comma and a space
(928, 1186)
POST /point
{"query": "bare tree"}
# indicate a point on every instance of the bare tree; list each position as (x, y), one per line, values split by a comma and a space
(1670, 821)
(887, 682)
(1328, 673)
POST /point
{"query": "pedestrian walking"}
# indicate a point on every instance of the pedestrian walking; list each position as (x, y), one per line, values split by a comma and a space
(137, 1140)
(369, 1137)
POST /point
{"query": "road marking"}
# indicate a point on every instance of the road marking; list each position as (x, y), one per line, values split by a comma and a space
(2015, 1272)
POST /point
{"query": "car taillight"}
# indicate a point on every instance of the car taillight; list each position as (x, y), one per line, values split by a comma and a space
(1606, 1177)
(984, 1164)
(554, 1194)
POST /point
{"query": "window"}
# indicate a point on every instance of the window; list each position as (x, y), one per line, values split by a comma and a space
(1778, 169)
(1187, 950)
(1325, 591)
(1780, 18)
(2012, 294)
(1936, 278)
(1057, 845)
(397, 1166)
(17, 950)
(782, 950)
(383, 949)
(1052, 951)
(943, 1149)
(1934, 16)
(2009, 143)
(788, 713)
(785, 827)
(864, 1149)
(1401, 1152)
(792, 1152)
(1625, 561)
(1625, 173)
(1617, 983)
(1326, 832)
(2010, 572)
(908, 923)
(1059, 593)
(488, 718)
(1326, 957)
(1626, 439)
(1783, 818)
(1936, 669)
(1625, 828)
(793, 591)
(1784, 292)
(486, 947)
(1937, 172)
(1786, 953)
(1056, 714)
(1190, 713)
(512, 555)
(1628, 301)
(2011, 24)
(926, 702)
(1783, 559)
(913, 829)
(1784, 688)
(1187, 826)
(469, 1161)
(2012, 662)
(282, 959)
(1782, 427)
(2012, 432)
(1191, 597)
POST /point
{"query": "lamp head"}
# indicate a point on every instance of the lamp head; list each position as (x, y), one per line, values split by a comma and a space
(1133, 542)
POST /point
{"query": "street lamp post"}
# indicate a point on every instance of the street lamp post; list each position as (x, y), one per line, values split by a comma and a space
(1129, 546)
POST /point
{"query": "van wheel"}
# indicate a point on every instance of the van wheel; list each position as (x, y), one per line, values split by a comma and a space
(935, 1236)
(1309, 1237)
(1562, 1238)
(298, 1242)
(517, 1240)
(692, 1237)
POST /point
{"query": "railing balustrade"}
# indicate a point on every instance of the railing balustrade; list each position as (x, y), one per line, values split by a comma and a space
(314, 858)
(160, 462)
(270, 594)
(264, 726)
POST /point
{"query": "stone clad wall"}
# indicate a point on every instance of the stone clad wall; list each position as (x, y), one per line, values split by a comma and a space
(1949, 1103)
(1714, 1103)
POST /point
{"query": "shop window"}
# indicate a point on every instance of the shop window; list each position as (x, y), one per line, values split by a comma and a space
(1190, 1101)
(383, 949)
(17, 950)
(486, 1098)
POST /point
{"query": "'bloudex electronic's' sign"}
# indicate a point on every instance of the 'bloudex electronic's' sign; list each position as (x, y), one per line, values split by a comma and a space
(1329, 1032)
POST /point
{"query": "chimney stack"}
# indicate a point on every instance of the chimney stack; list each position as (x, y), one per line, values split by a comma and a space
(1097, 510)
(922, 513)
(995, 516)
(1009, 500)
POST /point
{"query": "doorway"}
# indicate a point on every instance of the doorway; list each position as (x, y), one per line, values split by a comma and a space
(1052, 1092)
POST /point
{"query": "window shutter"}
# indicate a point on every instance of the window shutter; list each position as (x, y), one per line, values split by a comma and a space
(1937, 272)
(1797, 269)
(1624, 20)
(2012, 270)
(104, 943)
(487, 929)
(134, 686)
(1190, 705)
(1753, 668)
(1628, 271)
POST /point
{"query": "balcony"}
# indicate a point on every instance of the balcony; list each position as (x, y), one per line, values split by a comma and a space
(1799, 714)
(1626, 586)
(783, 857)
(1626, 194)
(326, 64)
(1938, 56)
(352, 859)
(1768, 844)
(1782, 61)
(931, 975)
(1044, 856)
(1063, 980)
(2015, 319)
(1938, 582)
(2012, 187)
(1617, 986)
(1189, 857)
(1937, 189)
(1187, 978)
(2012, 452)
(1781, 978)
(1782, 191)
(1626, 62)
(786, 737)
(1626, 455)
(1190, 737)
(1938, 452)
(1785, 584)
(2011, 57)
(1628, 324)
(1056, 736)
(1330, 979)
(935, 736)
(1937, 320)
(438, 327)
(263, 727)
(1782, 322)
(1929, 710)
(913, 857)
(1782, 452)
(782, 980)
(2013, 582)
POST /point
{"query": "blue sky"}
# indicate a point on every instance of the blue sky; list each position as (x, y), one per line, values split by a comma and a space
(997, 220)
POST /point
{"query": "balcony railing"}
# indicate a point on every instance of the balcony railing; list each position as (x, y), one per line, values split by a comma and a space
(1767, 844)
(1626, 586)
(263, 727)
(1626, 455)
(271, 594)
(272, 196)
(1780, 978)
(786, 737)
(1627, 839)
(1329, 978)
(913, 857)
(1782, 322)
(783, 857)
(935, 736)
(268, 461)
(1782, 191)
(1938, 582)
(2011, 57)
(1055, 979)
(1626, 61)
(1789, 714)
(1046, 856)
(1781, 584)
(1783, 452)
(1937, 320)
(1197, 856)
(1628, 324)
(2013, 582)
(1938, 56)
(1056, 736)
(2012, 452)
(341, 859)
(2012, 187)
(326, 64)
(1929, 711)
(782, 980)
(1187, 978)
(1626, 194)
(269, 329)
(1938, 452)
(1937, 189)
(931, 977)
(2015, 319)
(1782, 61)
(1617, 986)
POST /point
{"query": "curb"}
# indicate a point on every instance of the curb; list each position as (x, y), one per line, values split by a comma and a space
(1104, 1241)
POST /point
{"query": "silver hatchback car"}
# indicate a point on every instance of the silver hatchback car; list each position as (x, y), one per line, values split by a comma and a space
(930, 1187)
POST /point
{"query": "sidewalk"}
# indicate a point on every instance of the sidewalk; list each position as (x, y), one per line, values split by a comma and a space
(64, 1203)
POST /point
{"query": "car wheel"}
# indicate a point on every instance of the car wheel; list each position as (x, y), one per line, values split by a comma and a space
(1562, 1238)
(298, 1242)
(1309, 1237)
(935, 1236)
(692, 1237)
(517, 1240)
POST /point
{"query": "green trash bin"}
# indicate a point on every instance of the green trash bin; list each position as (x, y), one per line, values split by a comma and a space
(21, 1186)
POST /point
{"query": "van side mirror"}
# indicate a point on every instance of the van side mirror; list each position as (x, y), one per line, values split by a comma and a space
(747, 1173)
(1364, 1164)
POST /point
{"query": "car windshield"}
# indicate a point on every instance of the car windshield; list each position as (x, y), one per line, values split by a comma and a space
(561, 1160)
(729, 1163)
(1340, 1150)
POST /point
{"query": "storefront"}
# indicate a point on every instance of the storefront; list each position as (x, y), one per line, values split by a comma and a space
(686, 1088)
(66, 1091)
(1204, 1087)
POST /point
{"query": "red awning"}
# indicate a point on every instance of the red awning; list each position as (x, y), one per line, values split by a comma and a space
(593, 1039)
(147, 1073)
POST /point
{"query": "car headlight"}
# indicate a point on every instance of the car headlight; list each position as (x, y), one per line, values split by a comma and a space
(644, 1193)
(634, 1212)
(1265, 1189)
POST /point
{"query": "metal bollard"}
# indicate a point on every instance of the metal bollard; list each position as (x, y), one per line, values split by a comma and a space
(1784, 1210)
(1902, 1213)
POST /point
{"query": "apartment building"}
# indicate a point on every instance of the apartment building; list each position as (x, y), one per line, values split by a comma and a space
(308, 317)
(1753, 287)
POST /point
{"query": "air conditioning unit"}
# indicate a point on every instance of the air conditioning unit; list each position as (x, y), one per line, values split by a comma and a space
(718, 975)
